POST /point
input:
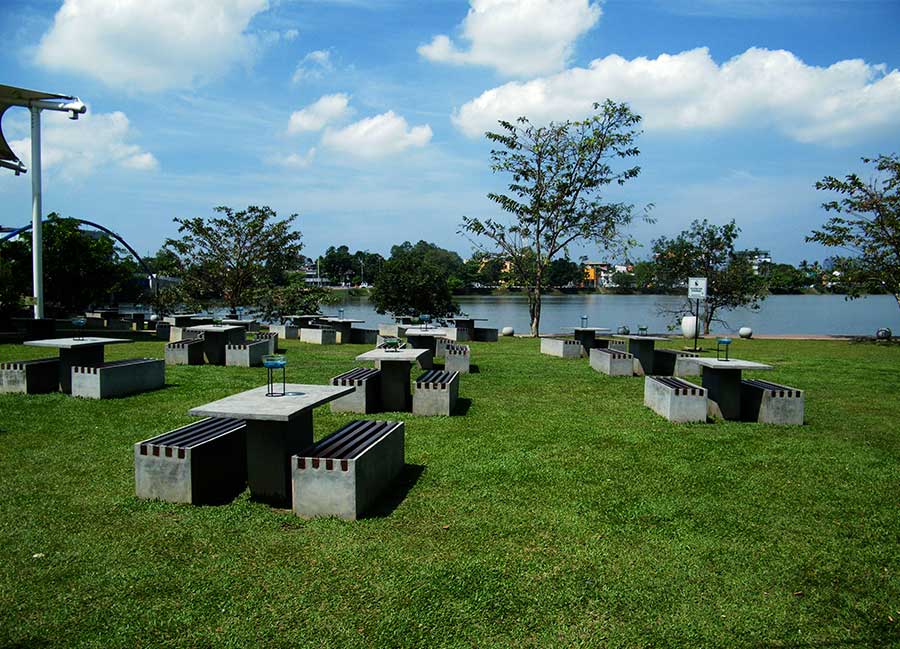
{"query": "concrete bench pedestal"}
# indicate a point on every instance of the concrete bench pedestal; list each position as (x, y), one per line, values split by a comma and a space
(672, 362)
(771, 403)
(36, 376)
(367, 396)
(202, 463)
(436, 393)
(484, 335)
(185, 352)
(456, 358)
(319, 336)
(286, 332)
(246, 354)
(347, 472)
(675, 399)
(271, 339)
(561, 347)
(118, 378)
(612, 362)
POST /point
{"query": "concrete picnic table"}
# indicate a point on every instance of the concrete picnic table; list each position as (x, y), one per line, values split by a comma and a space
(722, 380)
(342, 326)
(395, 368)
(183, 319)
(420, 338)
(467, 323)
(277, 428)
(641, 347)
(76, 352)
(215, 337)
(303, 321)
(587, 336)
(248, 325)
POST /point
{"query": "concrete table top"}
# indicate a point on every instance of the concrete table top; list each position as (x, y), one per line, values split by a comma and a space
(254, 404)
(465, 318)
(732, 364)
(72, 343)
(340, 320)
(408, 355)
(426, 332)
(236, 322)
(211, 328)
(592, 329)
(637, 337)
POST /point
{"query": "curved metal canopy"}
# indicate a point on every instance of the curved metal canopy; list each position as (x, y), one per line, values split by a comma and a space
(12, 96)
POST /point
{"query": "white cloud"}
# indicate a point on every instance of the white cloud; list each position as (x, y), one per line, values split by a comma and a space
(313, 66)
(327, 109)
(378, 136)
(762, 88)
(77, 149)
(517, 37)
(150, 46)
(299, 161)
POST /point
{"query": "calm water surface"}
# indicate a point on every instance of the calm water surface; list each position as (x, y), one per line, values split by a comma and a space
(780, 314)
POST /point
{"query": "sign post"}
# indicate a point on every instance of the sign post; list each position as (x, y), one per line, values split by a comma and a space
(697, 291)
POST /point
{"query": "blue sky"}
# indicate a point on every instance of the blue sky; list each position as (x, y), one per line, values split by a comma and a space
(366, 116)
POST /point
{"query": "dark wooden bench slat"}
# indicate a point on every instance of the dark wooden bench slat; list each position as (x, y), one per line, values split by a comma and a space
(784, 390)
(350, 441)
(439, 377)
(19, 365)
(196, 433)
(356, 374)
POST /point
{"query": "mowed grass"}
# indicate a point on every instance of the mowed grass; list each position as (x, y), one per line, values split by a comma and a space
(558, 511)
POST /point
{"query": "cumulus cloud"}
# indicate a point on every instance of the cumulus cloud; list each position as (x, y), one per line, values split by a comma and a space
(150, 46)
(328, 108)
(313, 66)
(299, 160)
(378, 136)
(763, 88)
(517, 37)
(76, 149)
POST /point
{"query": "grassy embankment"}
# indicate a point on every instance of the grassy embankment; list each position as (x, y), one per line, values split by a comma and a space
(557, 512)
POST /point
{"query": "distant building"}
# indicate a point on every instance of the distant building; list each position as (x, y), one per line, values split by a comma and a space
(761, 257)
(599, 274)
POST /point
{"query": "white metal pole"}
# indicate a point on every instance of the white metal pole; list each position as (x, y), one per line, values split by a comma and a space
(37, 238)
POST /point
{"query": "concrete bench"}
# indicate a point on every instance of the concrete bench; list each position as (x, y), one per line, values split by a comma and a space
(771, 403)
(270, 337)
(392, 330)
(36, 376)
(286, 332)
(118, 378)
(612, 362)
(319, 336)
(364, 336)
(246, 354)
(436, 393)
(456, 358)
(344, 474)
(485, 335)
(366, 398)
(618, 345)
(672, 362)
(675, 399)
(440, 346)
(201, 463)
(185, 352)
(561, 347)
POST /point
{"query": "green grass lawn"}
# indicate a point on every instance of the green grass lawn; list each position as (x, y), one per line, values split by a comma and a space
(558, 511)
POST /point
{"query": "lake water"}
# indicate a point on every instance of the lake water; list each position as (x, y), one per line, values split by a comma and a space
(780, 314)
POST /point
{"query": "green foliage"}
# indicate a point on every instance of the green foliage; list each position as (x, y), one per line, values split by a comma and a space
(563, 272)
(340, 267)
(15, 277)
(867, 223)
(273, 303)
(409, 285)
(559, 172)
(483, 269)
(235, 256)
(784, 279)
(707, 250)
(449, 262)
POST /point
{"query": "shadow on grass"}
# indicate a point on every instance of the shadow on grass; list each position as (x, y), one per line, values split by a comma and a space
(398, 491)
(474, 369)
(462, 407)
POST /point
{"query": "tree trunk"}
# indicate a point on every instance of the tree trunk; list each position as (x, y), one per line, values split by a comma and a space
(534, 311)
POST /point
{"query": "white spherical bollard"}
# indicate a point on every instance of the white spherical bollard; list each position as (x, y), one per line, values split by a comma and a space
(507, 331)
(689, 326)
(745, 332)
(154, 318)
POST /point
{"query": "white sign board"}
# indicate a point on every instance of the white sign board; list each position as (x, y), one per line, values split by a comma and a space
(697, 288)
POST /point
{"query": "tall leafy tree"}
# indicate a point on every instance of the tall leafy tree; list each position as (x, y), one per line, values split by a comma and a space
(707, 250)
(15, 277)
(409, 286)
(867, 225)
(235, 256)
(559, 172)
